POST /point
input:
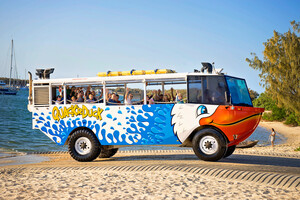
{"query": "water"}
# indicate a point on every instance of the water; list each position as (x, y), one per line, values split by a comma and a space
(17, 135)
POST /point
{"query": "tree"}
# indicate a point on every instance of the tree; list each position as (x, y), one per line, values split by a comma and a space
(253, 94)
(280, 68)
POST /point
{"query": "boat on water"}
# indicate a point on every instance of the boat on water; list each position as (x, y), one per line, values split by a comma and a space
(10, 89)
(7, 90)
(247, 144)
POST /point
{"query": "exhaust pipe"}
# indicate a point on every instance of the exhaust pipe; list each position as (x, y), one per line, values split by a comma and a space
(30, 88)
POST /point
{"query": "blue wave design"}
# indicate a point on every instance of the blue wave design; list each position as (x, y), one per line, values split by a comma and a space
(143, 125)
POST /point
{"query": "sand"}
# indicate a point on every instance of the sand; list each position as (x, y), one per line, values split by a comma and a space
(63, 178)
(90, 184)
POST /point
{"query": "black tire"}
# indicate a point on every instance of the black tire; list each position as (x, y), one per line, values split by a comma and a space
(229, 151)
(213, 145)
(84, 145)
(107, 153)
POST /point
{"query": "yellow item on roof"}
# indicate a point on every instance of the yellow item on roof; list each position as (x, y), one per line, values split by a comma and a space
(139, 72)
(125, 73)
(135, 72)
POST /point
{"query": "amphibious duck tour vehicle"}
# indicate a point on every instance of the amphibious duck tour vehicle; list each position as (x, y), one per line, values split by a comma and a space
(214, 114)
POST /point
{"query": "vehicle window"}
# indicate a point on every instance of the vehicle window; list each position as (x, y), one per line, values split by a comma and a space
(207, 89)
(238, 91)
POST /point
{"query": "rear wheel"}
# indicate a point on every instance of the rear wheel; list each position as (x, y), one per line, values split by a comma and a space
(84, 145)
(107, 153)
(209, 145)
(229, 151)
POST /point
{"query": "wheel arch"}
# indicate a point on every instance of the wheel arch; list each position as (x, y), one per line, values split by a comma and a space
(76, 129)
(189, 139)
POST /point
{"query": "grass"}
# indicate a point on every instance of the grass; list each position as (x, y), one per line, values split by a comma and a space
(297, 149)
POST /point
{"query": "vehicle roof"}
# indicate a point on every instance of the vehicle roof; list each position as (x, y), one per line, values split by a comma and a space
(168, 77)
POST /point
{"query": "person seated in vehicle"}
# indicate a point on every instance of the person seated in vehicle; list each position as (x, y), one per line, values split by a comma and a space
(156, 97)
(218, 96)
(73, 91)
(87, 92)
(179, 98)
(112, 101)
(59, 100)
(99, 99)
(117, 99)
(73, 99)
(128, 97)
(165, 98)
(91, 99)
(80, 97)
(149, 100)
(171, 96)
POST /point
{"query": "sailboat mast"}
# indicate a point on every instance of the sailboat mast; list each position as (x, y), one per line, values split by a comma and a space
(11, 61)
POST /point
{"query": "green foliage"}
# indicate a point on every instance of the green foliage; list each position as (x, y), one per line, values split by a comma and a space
(280, 68)
(293, 119)
(297, 149)
(275, 113)
(264, 101)
(253, 94)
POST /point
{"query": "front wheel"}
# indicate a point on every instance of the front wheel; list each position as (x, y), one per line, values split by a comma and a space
(209, 145)
(84, 145)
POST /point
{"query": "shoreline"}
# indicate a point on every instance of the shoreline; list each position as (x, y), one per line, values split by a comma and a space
(292, 134)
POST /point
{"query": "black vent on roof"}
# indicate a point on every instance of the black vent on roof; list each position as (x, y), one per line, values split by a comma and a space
(206, 66)
(44, 73)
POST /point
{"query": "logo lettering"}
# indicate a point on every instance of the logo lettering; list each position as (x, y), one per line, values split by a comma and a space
(75, 110)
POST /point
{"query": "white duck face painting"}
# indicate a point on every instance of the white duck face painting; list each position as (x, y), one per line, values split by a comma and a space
(185, 118)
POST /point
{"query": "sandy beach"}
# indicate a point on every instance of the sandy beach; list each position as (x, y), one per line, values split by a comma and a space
(161, 175)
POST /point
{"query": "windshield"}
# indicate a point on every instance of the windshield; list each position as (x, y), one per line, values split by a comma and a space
(238, 91)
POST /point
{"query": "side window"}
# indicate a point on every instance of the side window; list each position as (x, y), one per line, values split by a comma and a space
(207, 89)
(195, 89)
(57, 95)
(77, 94)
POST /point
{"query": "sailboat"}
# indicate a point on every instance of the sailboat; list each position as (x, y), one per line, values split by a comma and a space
(4, 89)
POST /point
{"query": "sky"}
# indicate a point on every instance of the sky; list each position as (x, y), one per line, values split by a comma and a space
(82, 38)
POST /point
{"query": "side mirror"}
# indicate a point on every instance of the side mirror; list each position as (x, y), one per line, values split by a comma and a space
(227, 97)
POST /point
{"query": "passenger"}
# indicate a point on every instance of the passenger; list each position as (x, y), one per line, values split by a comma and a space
(73, 99)
(149, 100)
(160, 95)
(68, 92)
(80, 97)
(165, 98)
(219, 95)
(87, 92)
(179, 98)
(91, 99)
(107, 95)
(112, 101)
(59, 100)
(172, 97)
(128, 97)
(94, 94)
(73, 91)
(101, 95)
(117, 99)
(155, 96)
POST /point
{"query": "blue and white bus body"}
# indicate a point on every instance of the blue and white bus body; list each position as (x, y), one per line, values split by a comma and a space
(115, 126)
